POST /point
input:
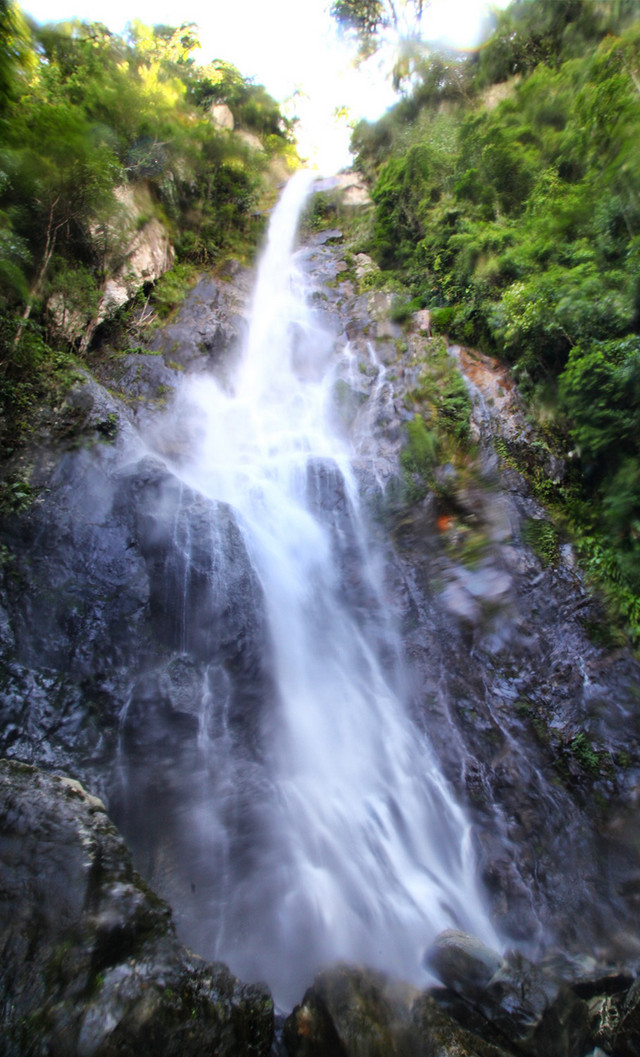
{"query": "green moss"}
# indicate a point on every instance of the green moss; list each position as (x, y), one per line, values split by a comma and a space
(421, 453)
(543, 538)
(604, 633)
(584, 752)
(540, 728)
(108, 427)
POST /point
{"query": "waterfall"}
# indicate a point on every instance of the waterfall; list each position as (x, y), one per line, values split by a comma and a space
(335, 836)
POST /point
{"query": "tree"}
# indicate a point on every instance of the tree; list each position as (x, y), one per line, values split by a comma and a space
(62, 171)
(16, 53)
(370, 21)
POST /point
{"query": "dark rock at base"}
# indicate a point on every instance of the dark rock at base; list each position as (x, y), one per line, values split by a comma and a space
(463, 963)
(310, 1031)
(90, 962)
(532, 1010)
(626, 1037)
(354, 1012)
(443, 1036)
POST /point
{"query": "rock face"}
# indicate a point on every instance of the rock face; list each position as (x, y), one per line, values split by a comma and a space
(207, 327)
(89, 626)
(98, 606)
(147, 251)
(90, 962)
(561, 1007)
(135, 249)
(221, 116)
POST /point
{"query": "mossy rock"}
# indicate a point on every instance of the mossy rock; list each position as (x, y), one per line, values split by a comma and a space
(91, 961)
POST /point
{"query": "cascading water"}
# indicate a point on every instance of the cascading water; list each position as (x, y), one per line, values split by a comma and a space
(335, 837)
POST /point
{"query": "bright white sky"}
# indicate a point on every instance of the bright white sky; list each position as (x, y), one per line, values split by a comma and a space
(286, 45)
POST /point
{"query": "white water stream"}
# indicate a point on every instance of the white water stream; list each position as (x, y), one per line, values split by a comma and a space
(362, 853)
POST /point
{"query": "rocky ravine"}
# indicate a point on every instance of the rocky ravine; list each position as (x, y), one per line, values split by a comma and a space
(534, 724)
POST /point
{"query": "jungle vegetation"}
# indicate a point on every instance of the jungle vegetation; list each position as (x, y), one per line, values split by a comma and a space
(84, 112)
(507, 200)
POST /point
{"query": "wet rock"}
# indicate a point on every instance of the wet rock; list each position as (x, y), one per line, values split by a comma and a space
(457, 601)
(206, 331)
(626, 1033)
(116, 569)
(604, 1020)
(204, 593)
(529, 1008)
(91, 965)
(463, 962)
(440, 1034)
(329, 235)
(347, 400)
(145, 377)
(353, 1012)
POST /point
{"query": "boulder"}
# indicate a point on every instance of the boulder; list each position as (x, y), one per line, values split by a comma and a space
(144, 251)
(463, 963)
(364, 265)
(626, 1034)
(90, 962)
(250, 140)
(355, 1012)
(221, 116)
(529, 1008)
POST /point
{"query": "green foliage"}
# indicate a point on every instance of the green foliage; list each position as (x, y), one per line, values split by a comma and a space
(15, 495)
(535, 32)
(454, 408)
(542, 537)
(583, 751)
(421, 453)
(372, 22)
(600, 387)
(16, 53)
(172, 288)
(518, 225)
(251, 105)
(84, 112)
(439, 431)
(318, 214)
(398, 194)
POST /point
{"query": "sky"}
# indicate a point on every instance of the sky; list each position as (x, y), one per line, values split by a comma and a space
(289, 46)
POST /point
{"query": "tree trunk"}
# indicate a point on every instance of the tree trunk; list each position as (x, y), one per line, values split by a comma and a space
(49, 246)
